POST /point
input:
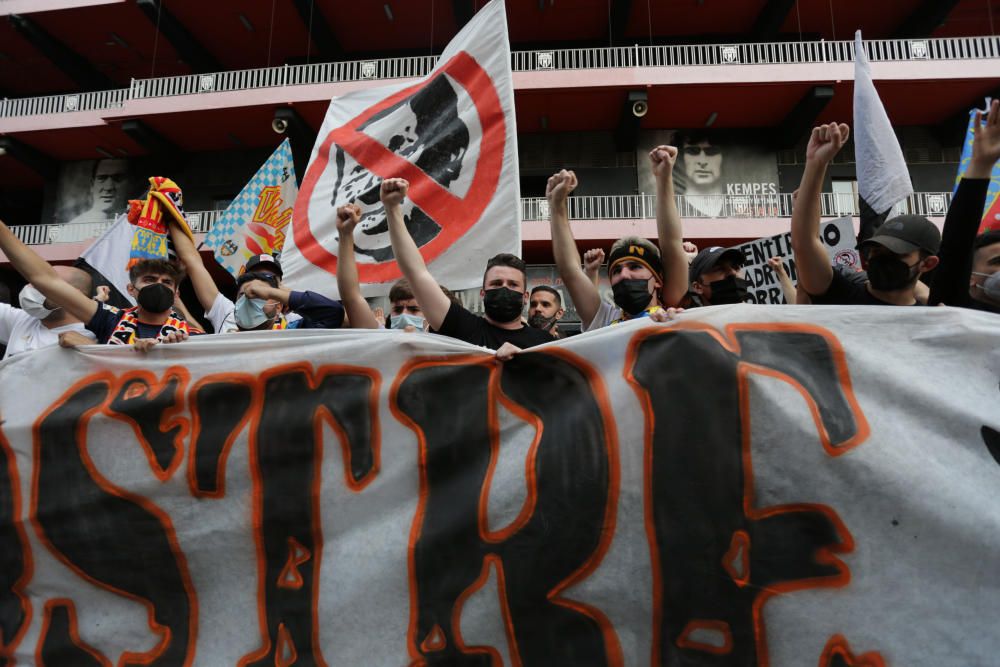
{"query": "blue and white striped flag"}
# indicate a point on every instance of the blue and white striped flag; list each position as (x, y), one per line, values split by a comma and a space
(256, 221)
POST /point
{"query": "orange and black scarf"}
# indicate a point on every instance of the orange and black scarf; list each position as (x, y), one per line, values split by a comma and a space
(127, 329)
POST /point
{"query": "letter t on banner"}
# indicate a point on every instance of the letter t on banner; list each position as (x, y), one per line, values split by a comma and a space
(452, 135)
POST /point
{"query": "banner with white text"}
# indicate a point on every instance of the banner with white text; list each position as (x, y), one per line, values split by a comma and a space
(748, 485)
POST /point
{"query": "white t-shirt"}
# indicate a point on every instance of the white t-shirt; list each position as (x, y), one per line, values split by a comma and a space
(222, 314)
(606, 314)
(23, 333)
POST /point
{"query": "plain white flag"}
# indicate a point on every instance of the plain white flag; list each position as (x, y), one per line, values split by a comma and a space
(109, 255)
(883, 179)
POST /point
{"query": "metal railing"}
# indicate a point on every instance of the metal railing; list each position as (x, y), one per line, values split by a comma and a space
(75, 232)
(769, 53)
(33, 106)
(593, 207)
(640, 207)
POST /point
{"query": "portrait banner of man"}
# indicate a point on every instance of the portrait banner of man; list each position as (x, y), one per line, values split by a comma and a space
(93, 191)
(717, 174)
(451, 135)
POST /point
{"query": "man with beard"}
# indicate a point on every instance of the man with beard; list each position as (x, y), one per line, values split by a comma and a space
(643, 284)
(902, 249)
(434, 138)
(545, 309)
(503, 290)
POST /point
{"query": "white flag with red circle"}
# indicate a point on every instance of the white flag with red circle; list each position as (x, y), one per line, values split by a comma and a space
(452, 135)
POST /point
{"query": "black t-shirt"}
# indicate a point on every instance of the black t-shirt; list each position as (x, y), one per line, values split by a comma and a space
(463, 325)
(951, 279)
(847, 292)
(981, 305)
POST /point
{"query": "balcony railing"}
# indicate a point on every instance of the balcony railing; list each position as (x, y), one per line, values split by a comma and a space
(632, 207)
(32, 106)
(595, 207)
(75, 232)
(951, 48)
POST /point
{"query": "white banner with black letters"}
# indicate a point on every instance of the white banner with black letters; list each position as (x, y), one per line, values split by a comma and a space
(748, 485)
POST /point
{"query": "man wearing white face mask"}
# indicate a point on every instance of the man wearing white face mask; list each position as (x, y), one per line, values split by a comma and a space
(38, 324)
(261, 300)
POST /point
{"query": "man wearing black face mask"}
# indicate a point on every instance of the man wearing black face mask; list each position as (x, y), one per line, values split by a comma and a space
(545, 309)
(503, 291)
(153, 283)
(903, 248)
(716, 277)
(645, 279)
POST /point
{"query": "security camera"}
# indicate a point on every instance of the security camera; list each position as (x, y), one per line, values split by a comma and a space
(279, 125)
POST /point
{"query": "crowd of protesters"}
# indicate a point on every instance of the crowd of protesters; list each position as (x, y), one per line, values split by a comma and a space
(907, 261)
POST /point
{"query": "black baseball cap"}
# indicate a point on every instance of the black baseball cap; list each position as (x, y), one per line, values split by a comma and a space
(706, 260)
(906, 233)
(263, 263)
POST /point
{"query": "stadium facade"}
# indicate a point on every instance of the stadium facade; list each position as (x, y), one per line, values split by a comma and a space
(97, 94)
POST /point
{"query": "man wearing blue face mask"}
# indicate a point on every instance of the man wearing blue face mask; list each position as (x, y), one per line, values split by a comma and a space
(261, 301)
(38, 323)
(219, 310)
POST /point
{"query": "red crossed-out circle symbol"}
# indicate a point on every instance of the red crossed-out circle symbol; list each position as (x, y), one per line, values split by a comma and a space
(456, 215)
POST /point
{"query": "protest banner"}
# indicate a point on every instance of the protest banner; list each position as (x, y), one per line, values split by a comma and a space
(255, 223)
(837, 235)
(749, 485)
(452, 135)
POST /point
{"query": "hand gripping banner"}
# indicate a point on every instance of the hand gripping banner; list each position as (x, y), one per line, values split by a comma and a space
(750, 485)
(452, 135)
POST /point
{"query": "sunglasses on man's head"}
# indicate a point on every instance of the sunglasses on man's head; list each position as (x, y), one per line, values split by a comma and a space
(698, 150)
(268, 278)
